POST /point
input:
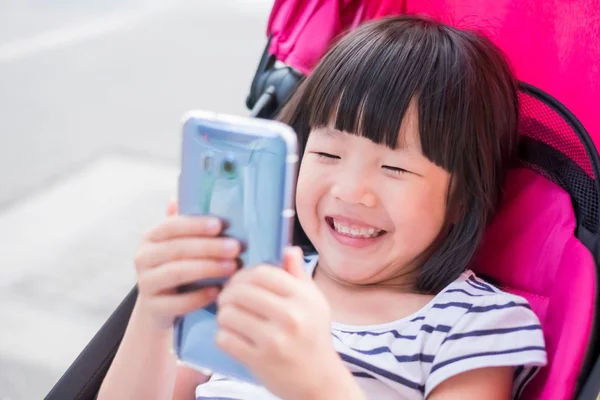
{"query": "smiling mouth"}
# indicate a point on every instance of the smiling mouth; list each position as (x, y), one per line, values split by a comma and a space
(354, 231)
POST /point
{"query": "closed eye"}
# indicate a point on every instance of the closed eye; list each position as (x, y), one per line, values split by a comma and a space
(326, 156)
(395, 170)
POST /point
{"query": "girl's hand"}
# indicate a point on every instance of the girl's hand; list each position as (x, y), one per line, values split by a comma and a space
(277, 323)
(177, 252)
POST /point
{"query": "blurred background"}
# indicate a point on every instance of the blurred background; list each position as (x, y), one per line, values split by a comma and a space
(91, 95)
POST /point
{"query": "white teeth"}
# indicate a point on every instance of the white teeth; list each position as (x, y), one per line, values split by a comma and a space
(354, 231)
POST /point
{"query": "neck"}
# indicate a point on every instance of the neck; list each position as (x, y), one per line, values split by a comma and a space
(369, 304)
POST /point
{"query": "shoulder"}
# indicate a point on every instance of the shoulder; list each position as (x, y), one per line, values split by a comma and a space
(484, 299)
(492, 329)
(471, 301)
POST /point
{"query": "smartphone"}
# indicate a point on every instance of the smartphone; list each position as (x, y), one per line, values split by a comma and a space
(242, 170)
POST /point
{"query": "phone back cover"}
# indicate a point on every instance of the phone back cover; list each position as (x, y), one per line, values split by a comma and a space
(251, 197)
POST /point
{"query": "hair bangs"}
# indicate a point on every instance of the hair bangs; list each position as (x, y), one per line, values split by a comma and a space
(366, 86)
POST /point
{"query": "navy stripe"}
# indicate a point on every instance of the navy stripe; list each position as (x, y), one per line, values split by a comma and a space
(426, 358)
(402, 359)
(475, 286)
(465, 292)
(385, 349)
(489, 332)
(437, 328)
(421, 318)
(483, 284)
(359, 374)
(484, 354)
(525, 381)
(382, 372)
(510, 304)
(397, 335)
(458, 304)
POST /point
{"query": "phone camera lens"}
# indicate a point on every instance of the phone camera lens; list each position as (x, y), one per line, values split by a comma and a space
(229, 169)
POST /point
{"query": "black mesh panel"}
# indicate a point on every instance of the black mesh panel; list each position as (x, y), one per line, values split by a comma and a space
(551, 146)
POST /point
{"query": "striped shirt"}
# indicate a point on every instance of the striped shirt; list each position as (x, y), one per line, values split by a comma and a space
(468, 325)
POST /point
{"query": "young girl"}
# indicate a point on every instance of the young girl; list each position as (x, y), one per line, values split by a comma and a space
(407, 129)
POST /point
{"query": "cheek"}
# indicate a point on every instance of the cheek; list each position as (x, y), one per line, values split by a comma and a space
(419, 215)
(308, 192)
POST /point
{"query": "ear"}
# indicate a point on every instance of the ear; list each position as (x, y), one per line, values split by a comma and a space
(172, 208)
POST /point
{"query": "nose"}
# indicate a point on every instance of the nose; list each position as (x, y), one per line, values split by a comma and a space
(354, 187)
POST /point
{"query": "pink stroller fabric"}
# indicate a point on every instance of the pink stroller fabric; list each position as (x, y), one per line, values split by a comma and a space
(553, 45)
(531, 250)
(302, 30)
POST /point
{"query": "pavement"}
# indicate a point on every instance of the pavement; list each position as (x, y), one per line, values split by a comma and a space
(91, 95)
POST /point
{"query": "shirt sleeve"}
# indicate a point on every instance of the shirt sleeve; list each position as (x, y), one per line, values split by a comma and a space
(497, 331)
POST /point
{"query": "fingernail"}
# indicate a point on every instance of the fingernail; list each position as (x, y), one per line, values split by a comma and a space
(213, 224)
(230, 245)
(229, 266)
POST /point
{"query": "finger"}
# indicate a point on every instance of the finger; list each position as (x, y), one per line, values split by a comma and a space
(243, 324)
(186, 249)
(181, 304)
(273, 279)
(171, 275)
(172, 208)
(185, 226)
(235, 345)
(255, 300)
(293, 262)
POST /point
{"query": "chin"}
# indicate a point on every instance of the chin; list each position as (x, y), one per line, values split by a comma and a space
(347, 268)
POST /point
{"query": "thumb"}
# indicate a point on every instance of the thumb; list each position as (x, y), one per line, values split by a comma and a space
(293, 262)
(172, 208)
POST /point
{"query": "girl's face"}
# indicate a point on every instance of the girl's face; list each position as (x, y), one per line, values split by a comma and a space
(369, 211)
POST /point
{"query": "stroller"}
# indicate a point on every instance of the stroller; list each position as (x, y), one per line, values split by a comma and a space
(544, 243)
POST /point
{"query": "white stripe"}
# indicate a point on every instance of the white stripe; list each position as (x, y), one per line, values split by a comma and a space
(234, 390)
